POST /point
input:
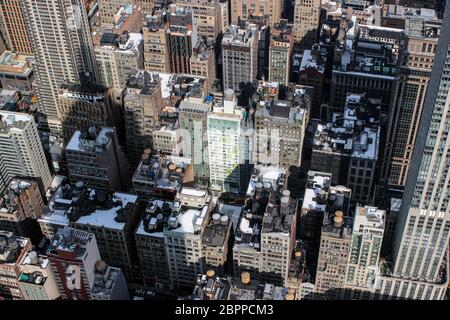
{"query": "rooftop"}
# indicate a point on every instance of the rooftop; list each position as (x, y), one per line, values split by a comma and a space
(147, 83)
(232, 288)
(37, 262)
(282, 111)
(104, 278)
(11, 247)
(88, 206)
(89, 140)
(268, 208)
(160, 172)
(370, 217)
(9, 202)
(13, 120)
(70, 240)
(237, 36)
(320, 196)
(355, 132)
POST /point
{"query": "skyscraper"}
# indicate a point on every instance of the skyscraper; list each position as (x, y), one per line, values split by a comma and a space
(193, 123)
(306, 22)
(423, 228)
(244, 9)
(62, 46)
(21, 150)
(224, 138)
(239, 55)
(181, 38)
(11, 15)
(414, 77)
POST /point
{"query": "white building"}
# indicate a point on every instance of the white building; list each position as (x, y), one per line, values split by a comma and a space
(117, 57)
(21, 149)
(362, 267)
(224, 135)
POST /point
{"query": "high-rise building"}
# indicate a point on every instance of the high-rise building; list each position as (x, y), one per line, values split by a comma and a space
(203, 61)
(206, 15)
(193, 123)
(80, 273)
(368, 231)
(225, 145)
(419, 268)
(245, 9)
(183, 237)
(143, 104)
(348, 147)
(62, 47)
(239, 56)
(363, 66)
(415, 71)
(113, 226)
(306, 22)
(118, 56)
(181, 38)
(311, 72)
(266, 229)
(12, 18)
(85, 106)
(108, 11)
(16, 72)
(280, 50)
(161, 176)
(36, 279)
(335, 241)
(13, 249)
(156, 51)
(150, 243)
(21, 205)
(97, 159)
(280, 128)
(22, 153)
(146, 6)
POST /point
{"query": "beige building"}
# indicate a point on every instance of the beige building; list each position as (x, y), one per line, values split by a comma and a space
(263, 245)
(156, 54)
(117, 57)
(215, 238)
(63, 50)
(239, 56)
(335, 242)
(146, 6)
(417, 62)
(36, 279)
(207, 16)
(245, 8)
(306, 22)
(203, 63)
(16, 72)
(108, 11)
(12, 251)
(20, 206)
(280, 50)
(82, 107)
(143, 104)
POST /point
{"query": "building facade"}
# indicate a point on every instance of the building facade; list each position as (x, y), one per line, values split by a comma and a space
(63, 50)
(22, 152)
